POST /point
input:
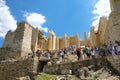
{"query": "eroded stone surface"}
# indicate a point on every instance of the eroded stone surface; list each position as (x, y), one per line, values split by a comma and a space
(101, 68)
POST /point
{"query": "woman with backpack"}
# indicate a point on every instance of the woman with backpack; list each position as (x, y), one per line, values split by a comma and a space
(88, 52)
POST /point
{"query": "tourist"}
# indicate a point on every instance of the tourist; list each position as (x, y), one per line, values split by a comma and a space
(72, 50)
(88, 52)
(97, 51)
(102, 52)
(112, 49)
(82, 53)
(118, 49)
(78, 53)
(109, 48)
(115, 46)
(60, 56)
(56, 54)
(47, 54)
(38, 53)
(92, 53)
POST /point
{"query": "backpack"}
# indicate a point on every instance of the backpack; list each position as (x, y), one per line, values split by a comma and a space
(88, 51)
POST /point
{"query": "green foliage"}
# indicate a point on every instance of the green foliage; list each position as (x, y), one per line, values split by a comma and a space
(44, 76)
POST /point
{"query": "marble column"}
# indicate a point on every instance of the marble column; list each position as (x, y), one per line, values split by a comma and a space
(50, 42)
(57, 43)
(54, 41)
(65, 40)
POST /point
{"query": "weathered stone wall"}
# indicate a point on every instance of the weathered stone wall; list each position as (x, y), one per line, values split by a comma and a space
(74, 40)
(92, 37)
(97, 38)
(115, 5)
(7, 53)
(98, 63)
(112, 32)
(101, 30)
(8, 39)
(26, 41)
(13, 70)
(56, 69)
(85, 42)
(113, 29)
(115, 63)
(68, 41)
(19, 40)
(107, 34)
(61, 43)
(34, 40)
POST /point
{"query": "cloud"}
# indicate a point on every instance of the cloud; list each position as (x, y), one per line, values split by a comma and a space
(101, 8)
(7, 21)
(36, 20)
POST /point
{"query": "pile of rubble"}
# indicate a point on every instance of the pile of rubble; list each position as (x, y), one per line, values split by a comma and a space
(91, 72)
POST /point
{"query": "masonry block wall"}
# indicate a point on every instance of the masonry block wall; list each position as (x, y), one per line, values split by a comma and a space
(19, 40)
(16, 69)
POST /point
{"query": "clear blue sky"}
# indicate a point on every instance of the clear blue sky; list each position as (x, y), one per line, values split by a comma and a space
(62, 16)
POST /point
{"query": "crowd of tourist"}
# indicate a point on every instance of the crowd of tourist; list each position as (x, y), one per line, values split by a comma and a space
(83, 53)
(112, 49)
(60, 54)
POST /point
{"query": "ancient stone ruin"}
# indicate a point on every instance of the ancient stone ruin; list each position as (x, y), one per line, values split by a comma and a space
(17, 61)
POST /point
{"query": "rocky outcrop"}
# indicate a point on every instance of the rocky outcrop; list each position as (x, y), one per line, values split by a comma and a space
(89, 72)
(101, 68)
